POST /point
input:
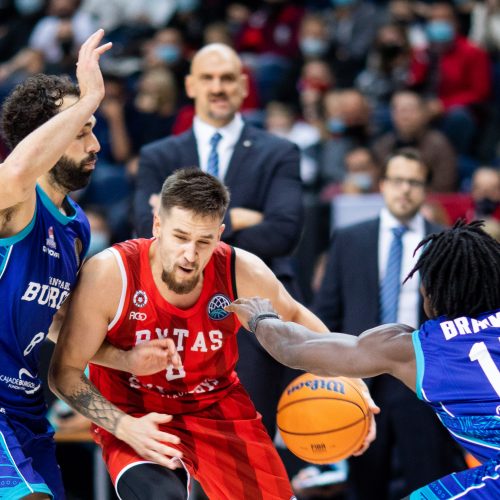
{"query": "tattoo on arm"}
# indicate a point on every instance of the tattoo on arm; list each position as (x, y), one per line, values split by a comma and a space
(88, 401)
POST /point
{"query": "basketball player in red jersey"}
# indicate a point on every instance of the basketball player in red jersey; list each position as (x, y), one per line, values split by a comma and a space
(191, 417)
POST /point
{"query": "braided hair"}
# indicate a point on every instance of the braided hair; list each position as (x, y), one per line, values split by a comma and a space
(460, 270)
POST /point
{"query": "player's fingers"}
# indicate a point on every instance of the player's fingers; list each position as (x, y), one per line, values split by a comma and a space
(91, 43)
(166, 450)
(159, 418)
(166, 437)
(104, 48)
(160, 459)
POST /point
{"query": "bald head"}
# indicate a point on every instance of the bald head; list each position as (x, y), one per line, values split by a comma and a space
(217, 84)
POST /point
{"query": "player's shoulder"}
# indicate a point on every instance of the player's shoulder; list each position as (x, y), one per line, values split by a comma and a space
(248, 264)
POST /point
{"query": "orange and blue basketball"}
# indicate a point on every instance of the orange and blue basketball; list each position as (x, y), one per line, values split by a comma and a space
(322, 419)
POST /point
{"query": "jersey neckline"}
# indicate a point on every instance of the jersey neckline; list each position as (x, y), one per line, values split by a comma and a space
(208, 279)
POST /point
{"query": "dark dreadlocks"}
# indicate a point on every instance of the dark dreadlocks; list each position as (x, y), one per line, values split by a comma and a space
(460, 270)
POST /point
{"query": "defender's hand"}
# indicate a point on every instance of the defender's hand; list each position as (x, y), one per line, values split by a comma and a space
(248, 308)
(374, 410)
(144, 436)
(152, 357)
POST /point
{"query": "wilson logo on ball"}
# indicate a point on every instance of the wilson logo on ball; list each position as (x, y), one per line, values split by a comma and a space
(215, 308)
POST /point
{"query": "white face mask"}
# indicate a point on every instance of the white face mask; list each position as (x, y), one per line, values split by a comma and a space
(27, 7)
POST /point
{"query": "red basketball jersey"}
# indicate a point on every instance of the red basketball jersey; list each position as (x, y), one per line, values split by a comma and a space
(204, 335)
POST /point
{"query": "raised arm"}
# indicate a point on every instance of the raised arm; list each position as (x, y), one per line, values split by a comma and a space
(33, 156)
(384, 349)
(93, 304)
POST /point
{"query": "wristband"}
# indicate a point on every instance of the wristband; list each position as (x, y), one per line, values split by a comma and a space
(254, 320)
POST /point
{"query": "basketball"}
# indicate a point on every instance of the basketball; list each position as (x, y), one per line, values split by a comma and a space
(322, 419)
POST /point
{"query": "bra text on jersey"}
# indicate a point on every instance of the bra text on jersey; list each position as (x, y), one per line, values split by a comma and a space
(465, 326)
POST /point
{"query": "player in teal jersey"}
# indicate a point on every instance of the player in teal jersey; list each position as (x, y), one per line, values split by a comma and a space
(452, 361)
(44, 235)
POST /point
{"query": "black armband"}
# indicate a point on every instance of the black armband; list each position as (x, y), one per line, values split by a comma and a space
(254, 320)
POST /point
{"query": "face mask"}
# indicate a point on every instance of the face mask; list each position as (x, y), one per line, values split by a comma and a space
(187, 5)
(27, 7)
(313, 47)
(168, 53)
(99, 241)
(486, 206)
(361, 180)
(336, 126)
(440, 31)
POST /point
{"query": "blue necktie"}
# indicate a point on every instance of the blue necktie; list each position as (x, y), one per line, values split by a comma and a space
(391, 284)
(213, 157)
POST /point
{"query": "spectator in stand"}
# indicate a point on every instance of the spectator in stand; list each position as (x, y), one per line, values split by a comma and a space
(59, 35)
(455, 75)
(352, 25)
(316, 79)
(269, 42)
(362, 172)
(281, 120)
(314, 39)
(153, 111)
(402, 13)
(485, 29)
(485, 193)
(411, 129)
(346, 125)
(387, 71)
(167, 50)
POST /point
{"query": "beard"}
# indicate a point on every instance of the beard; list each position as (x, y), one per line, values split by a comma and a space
(71, 175)
(181, 288)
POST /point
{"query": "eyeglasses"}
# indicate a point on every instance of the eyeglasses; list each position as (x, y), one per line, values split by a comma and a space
(400, 181)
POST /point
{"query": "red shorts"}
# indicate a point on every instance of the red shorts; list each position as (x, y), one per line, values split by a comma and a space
(225, 447)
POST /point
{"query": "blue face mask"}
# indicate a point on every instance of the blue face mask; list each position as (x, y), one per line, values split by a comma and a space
(98, 242)
(168, 53)
(313, 47)
(187, 5)
(362, 180)
(440, 31)
(27, 7)
(342, 3)
(336, 126)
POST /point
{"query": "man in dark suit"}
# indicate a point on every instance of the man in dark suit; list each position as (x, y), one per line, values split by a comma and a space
(356, 294)
(262, 173)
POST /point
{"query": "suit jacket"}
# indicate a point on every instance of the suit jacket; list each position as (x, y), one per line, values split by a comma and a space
(348, 298)
(263, 175)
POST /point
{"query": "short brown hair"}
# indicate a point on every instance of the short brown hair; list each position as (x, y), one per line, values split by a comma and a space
(194, 190)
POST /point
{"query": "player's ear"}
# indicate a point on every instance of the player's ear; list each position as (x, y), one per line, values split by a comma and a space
(221, 230)
(156, 225)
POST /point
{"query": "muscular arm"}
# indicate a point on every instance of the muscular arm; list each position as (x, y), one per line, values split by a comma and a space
(384, 349)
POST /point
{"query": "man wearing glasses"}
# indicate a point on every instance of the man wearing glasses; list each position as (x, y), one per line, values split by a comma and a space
(361, 289)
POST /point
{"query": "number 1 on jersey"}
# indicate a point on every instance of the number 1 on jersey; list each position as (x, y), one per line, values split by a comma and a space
(479, 352)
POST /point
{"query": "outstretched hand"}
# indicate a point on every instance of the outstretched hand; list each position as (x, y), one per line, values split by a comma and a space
(374, 410)
(246, 309)
(88, 71)
(153, 356)
(145, 437)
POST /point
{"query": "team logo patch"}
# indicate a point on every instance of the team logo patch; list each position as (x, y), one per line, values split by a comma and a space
(140, 298)
(50, 241)
(215, 308)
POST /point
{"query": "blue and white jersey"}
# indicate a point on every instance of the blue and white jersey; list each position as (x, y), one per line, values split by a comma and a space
(38, 269)
(458, 374)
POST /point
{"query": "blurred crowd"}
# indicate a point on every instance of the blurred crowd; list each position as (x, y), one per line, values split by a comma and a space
(348, 81)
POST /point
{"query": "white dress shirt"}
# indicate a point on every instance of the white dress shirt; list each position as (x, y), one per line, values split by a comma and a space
(409, 297)
(231, 133)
